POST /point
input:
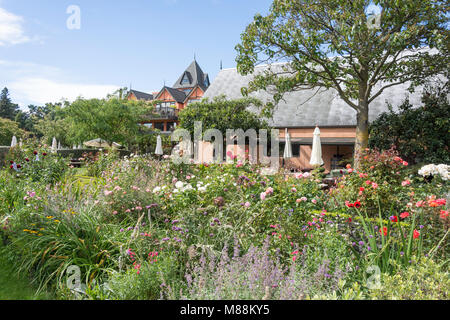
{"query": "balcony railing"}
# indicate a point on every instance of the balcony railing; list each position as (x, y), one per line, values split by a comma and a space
(163, 113)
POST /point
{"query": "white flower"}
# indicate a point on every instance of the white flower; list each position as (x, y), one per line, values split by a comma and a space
(179, 185)
(157, 189)
(202, 189)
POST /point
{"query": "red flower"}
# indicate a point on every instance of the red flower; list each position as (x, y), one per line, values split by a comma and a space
(394, 218)
(416, 234)
(405, 163)
(384, 231)
(19, 166)
(349, 220)
(12, 162)
(27, 160)
(11, 167)
(444, 214)
(362, 189)
(44, 154)
(349, 204)
(35, 152)
(404, 215)
(357, 204)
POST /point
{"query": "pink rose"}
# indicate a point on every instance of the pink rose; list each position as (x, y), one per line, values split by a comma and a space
(263, 196)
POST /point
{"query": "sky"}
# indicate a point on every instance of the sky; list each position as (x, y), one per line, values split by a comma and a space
(56, 49)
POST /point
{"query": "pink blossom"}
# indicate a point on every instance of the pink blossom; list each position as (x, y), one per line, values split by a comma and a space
(420, 204)
(405, 183)
(247, 204)
(108, 193)
(263, 196)
(294, 190)
(269, 190)
(299, 175)
(374, 185)
(314, 201)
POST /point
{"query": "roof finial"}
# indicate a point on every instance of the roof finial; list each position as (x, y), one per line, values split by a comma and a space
(195, 57)
(164, 83)
(221, 67)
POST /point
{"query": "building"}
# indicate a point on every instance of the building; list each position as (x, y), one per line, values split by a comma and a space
(190, 87)
(301, 111)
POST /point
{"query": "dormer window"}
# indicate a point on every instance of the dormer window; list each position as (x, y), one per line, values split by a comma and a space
(206, 82)
(185, 80)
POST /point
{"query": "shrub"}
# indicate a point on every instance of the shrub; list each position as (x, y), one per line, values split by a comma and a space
(424, 280)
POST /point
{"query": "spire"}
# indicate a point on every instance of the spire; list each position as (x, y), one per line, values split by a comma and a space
(195, 57)
(221, 65)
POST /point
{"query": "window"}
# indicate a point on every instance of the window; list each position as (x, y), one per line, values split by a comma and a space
(187, 91)
(185, 79)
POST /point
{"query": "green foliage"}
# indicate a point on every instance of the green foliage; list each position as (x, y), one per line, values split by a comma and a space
(8, 129)
(222, 114)
(8, 110)
(112, 120)
(423, 280)
(421, 135)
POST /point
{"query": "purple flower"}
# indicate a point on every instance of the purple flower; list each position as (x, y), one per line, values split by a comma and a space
(361, 243)
(165, 239)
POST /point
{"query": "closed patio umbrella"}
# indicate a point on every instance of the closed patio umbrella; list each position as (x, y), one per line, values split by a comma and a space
(13, 142)
(54, 145)
(159, 150)
(316, 153)
(288, 147)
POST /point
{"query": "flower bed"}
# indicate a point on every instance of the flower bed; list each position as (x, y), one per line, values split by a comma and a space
(137, 228)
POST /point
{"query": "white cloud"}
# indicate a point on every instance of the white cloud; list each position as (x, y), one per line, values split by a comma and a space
(31, 83)
(11, 29)
(42, 90)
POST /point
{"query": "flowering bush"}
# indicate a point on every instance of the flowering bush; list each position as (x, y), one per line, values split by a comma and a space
(441, 170)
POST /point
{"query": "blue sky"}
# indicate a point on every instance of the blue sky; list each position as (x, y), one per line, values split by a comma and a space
(119, 42)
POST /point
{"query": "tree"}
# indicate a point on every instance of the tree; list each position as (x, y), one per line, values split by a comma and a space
(8, 129)
(333, 44)
(221, 114)
(8, 110)
(112, 120)
(419, 134)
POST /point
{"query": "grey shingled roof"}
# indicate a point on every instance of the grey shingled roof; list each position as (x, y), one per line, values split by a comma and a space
(178, 95)
(195, 75)
(141, 95)
(306, 108)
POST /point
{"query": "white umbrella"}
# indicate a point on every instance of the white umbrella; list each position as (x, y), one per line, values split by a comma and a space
(59, 145)
(159, 150)
(13, 142)
(54, 145)
(288, 147)
(99, 143)
(316, 153)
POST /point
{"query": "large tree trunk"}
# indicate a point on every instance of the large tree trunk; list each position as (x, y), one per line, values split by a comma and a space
(362, 132)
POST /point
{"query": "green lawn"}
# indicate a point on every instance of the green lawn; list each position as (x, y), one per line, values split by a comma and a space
(14, 286)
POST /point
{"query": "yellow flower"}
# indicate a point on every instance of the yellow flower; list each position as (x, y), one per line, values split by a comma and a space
(50, 217)
(57, 221)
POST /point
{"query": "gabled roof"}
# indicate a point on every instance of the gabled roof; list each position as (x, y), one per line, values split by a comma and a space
(195, 75)
(177, 95)
(141, 95)
(308, 108)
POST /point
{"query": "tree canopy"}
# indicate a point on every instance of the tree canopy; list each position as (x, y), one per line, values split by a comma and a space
(113, 120)
(222, 114)
(421, 134)
(8, 110)
(333, 44)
